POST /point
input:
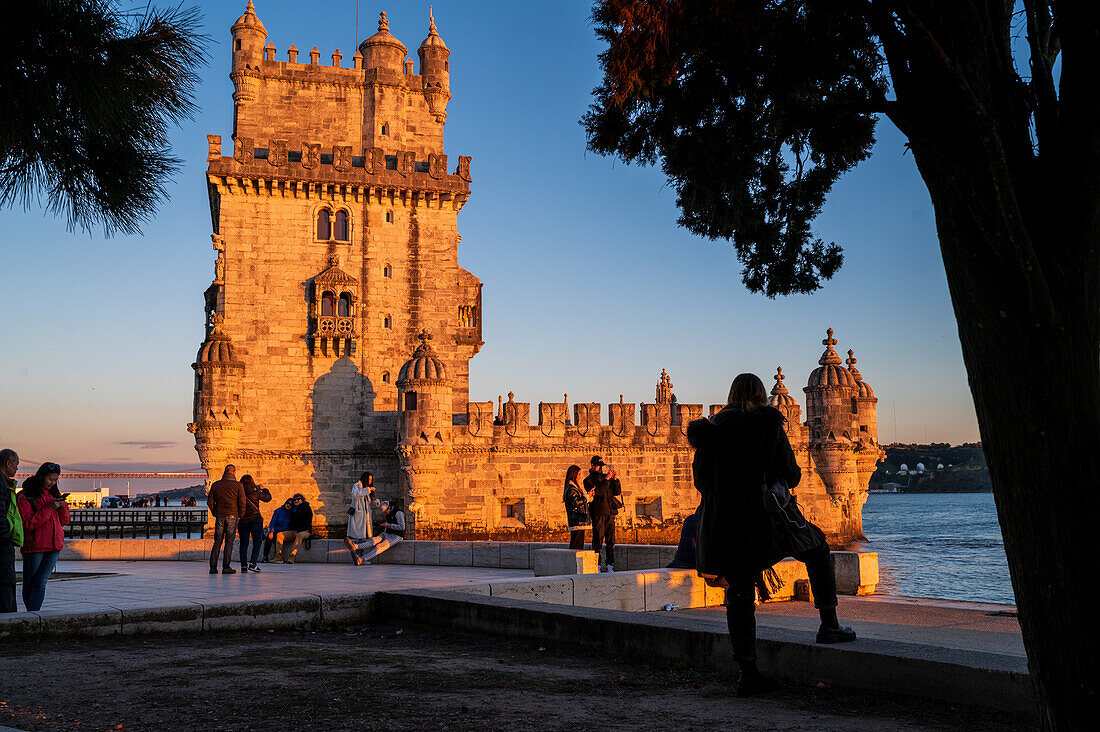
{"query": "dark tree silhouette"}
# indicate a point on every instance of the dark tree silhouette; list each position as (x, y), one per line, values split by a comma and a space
(89, 92)
(754, 108)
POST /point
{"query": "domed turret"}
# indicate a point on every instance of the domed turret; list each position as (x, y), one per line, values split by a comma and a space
(866, 402)
(435, 68)
(830, 372)
(424, 365)
(788, 406)
(249, 36)
(865, 390)
(218, 380)
(382, 50)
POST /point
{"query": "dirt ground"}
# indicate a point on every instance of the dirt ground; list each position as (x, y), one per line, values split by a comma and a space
(396, 678)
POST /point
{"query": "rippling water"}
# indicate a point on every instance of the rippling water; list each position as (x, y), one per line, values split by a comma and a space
(943, 545)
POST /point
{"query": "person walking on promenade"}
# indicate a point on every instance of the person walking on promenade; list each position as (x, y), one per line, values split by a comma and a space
(280, 524)
(738, 453)
(44, 512)
(251, 524)
(605, 504)
(576, 507)
(393, 532)
(226, 502)
(359, 513)
(301, 527)
(11, 529)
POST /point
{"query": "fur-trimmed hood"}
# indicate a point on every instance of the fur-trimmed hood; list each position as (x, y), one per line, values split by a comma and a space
(705, 432)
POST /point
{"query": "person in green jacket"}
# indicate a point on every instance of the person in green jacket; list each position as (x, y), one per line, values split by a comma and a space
(11, 529)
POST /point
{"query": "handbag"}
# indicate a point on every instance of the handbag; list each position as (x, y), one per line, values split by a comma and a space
(351, 510)
(775, 495)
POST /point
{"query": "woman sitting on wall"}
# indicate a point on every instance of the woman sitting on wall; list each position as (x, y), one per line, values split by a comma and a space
(738, 452)
(393, 532)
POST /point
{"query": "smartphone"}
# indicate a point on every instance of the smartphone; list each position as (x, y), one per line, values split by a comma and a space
(63, 496)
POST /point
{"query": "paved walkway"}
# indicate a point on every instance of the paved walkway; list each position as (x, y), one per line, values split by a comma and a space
(134, 585)
(963, 626)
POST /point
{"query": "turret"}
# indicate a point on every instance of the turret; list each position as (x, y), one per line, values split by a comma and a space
(423, 425)
(831, 410)
(435, 69)
(218, 378)
(382, 50)
(868, 452)
(249, 36)
(787, 405)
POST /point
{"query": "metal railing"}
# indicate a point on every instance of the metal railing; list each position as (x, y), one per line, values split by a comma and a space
(103, 523)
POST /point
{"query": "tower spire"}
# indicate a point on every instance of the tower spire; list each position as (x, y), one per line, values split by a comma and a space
(829, 357)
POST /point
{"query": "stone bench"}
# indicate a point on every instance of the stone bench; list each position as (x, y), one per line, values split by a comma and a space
(553, 562)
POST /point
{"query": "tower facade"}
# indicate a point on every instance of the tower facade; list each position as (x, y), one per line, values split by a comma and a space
(335, 226)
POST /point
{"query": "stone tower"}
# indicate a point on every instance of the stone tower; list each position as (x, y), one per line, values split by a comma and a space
(335, 222)
(868, 452)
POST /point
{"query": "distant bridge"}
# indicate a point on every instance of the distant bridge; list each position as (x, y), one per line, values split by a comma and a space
(127, 476)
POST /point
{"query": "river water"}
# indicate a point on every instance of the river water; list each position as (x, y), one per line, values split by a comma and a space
(942, 545)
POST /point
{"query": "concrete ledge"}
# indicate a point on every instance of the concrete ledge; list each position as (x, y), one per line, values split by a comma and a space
(284, 612)
(959, 677)
(349, 609)
(162, 619)
(550, 562)
(556, 590)
(19, 625)
(94, 620)
(485, 554)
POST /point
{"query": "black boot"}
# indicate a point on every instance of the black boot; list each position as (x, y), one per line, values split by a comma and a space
(831, 631)
(753, 683)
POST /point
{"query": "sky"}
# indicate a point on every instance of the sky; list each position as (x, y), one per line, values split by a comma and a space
(590, 287)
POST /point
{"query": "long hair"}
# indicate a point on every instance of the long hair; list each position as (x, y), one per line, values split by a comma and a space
(34, 485)
(747, 393)
(248, 482)
(367, 479)
(572, 473)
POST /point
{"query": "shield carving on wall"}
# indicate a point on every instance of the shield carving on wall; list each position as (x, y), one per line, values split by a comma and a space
(242, 150)
(276, 154)
(311, 155)
(341, 157)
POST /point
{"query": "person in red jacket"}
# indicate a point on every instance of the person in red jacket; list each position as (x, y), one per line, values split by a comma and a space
(44, 513)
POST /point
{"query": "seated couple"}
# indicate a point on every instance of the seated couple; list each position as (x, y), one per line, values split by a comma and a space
(290, 525)
(391, 530)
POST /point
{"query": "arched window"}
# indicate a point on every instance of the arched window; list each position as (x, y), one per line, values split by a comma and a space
(387, 271)
(385, 377)
(328, 304)
(389, 217)
(387, 322)
(324, 224)
(344, 306)
(342, 232)
(385, 128)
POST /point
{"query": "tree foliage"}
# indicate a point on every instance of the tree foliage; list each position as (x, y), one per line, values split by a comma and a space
(754, 109)
(89, 93)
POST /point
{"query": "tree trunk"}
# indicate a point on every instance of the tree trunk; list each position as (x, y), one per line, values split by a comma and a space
(1033, 375)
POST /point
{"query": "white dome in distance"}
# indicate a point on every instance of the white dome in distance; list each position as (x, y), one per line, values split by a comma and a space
(920, 467)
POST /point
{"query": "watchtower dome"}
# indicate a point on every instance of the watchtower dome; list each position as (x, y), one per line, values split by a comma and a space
(435, 68)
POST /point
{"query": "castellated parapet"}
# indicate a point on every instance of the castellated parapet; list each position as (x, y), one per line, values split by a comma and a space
(335, 229)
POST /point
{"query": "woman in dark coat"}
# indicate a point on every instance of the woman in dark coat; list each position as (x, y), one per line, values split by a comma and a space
(736, 452)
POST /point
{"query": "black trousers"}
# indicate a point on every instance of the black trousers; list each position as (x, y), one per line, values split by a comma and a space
(741, 600)
(7, 577)
(576, 539)
(603, 533)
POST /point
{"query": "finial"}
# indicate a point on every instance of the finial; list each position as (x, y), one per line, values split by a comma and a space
(829, 357)
(511, 395)
(424, 336)
(250, 8)
(852, 365)
(780, 387)
(432, 30)
(383, 24)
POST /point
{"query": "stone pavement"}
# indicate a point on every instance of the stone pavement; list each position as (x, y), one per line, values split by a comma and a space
(134, 585)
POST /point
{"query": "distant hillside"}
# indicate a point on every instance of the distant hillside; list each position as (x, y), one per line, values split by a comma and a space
(195, 491)
(964, 468)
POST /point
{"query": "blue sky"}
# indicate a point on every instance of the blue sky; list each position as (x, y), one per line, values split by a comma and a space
(590, 287)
